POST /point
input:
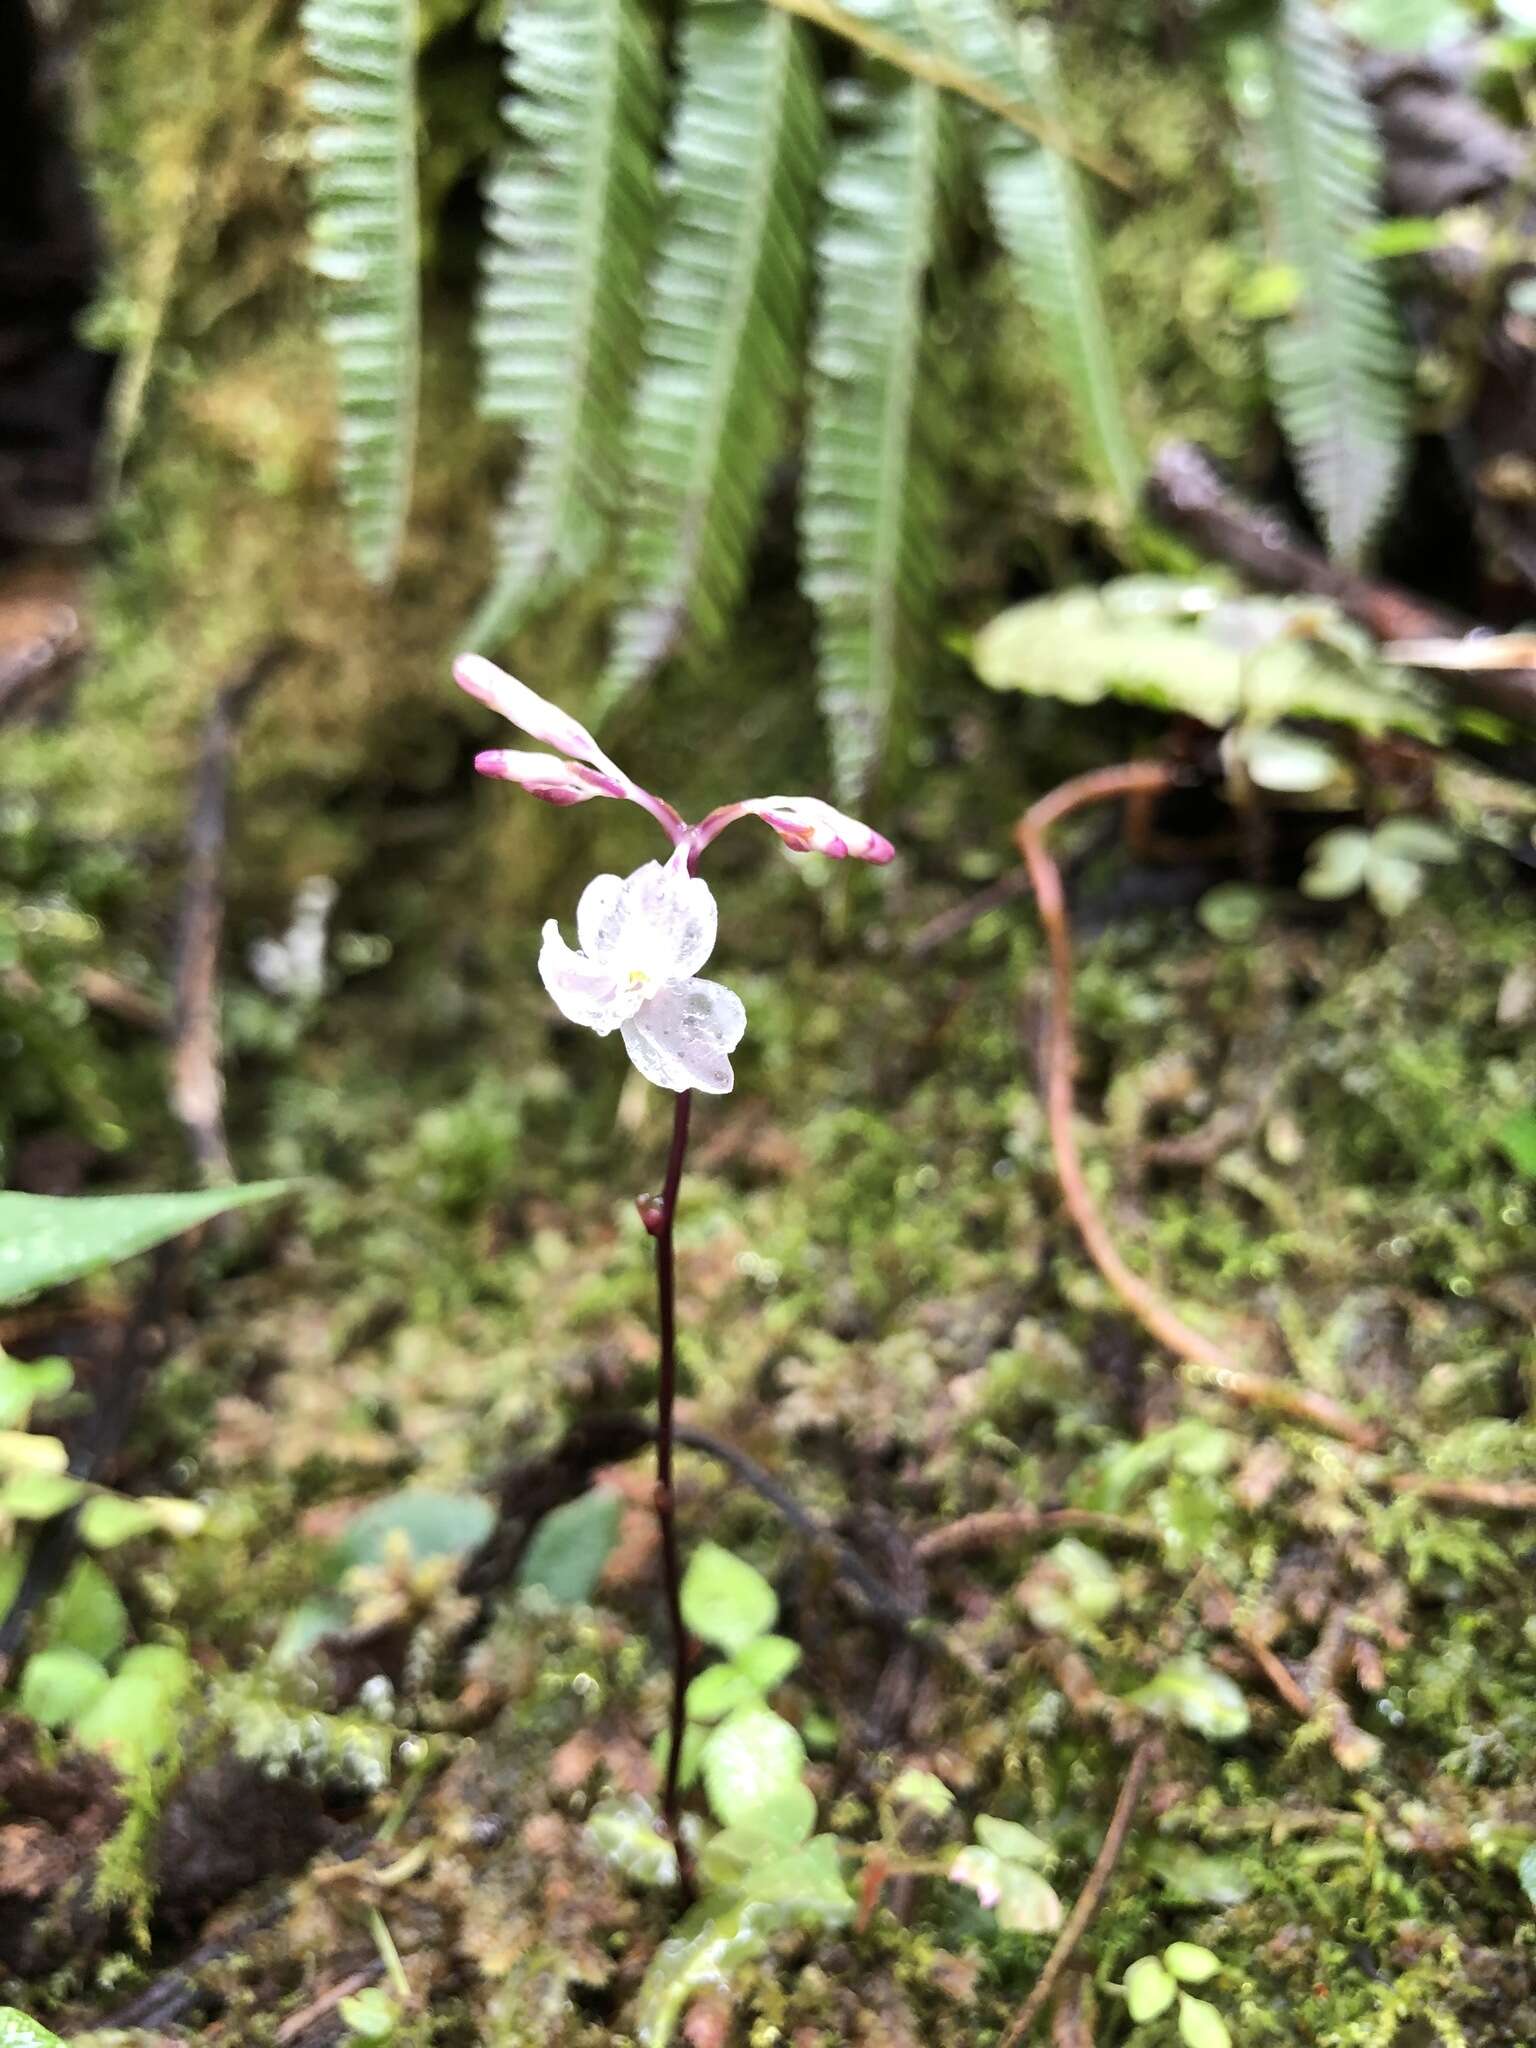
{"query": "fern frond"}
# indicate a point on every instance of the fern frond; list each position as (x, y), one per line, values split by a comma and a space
(365, 240)
(724, 325)
(1043, 221)
(870, 508)
(559, 319)
(1338, 364)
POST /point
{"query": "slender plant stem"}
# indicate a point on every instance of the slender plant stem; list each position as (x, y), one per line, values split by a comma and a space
(1208, 1362)
(659, 1220)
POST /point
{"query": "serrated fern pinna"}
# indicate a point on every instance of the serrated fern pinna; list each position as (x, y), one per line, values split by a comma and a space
(674, 296)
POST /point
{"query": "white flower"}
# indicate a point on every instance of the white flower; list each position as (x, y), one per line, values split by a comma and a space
(642, 939)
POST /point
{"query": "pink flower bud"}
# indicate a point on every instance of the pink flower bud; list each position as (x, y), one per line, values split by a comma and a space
(806, 824)
(543, 775)
(528, 711)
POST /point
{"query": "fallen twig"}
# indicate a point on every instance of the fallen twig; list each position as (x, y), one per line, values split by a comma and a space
(1209, 1361)
(1090, 1898)
(959, 917)
(1016, 1525)
(1490, 1496)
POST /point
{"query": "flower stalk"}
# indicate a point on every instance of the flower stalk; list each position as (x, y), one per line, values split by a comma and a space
(641, 940)
(659, 1218)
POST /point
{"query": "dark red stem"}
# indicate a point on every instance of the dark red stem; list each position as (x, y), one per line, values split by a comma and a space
(659, 1222)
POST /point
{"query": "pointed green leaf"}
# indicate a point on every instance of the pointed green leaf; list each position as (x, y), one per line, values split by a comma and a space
(1041, 210)
(58, 1685)
(1338, 363)
(570, 218)
(570, 1547)
(1189, 1962)
(871, 508)
(365, 237)
(46, 1240)
(723, 331)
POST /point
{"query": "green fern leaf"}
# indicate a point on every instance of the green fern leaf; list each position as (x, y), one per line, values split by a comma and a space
(870, 510)
(1041, 212)
(570, 221)
(724, 327)
(1338, 364)
(365, 238)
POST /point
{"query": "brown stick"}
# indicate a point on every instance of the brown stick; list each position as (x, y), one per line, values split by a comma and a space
(1091, 1896)
(1494, 1496)
(1291, 1691)
(1210, 1363)
(1010, 1525)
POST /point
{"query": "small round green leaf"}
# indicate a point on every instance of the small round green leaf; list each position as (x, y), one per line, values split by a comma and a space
(751, 1758)
(108, 1519)
(726, 1602)
(1189, 1962)
(1149, 1990)
(925, 1792)
(58, 1685)
(1201, 2025)
(1013, 1843)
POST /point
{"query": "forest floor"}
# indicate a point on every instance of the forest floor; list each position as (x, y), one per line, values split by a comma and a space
(1304, 1128)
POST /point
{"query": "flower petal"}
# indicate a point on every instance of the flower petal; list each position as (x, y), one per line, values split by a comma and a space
(684, 1036)
(807, 825)
(659, 921)
(585, 990)
(544, 775)
(528, 711)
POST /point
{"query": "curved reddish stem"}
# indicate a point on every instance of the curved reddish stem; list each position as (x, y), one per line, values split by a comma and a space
(1250, 1389)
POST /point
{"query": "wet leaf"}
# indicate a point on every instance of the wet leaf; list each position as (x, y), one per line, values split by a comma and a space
(925, 1792)
(1189, 1962)
(135, 1718)
(17, 2031)
(1518, 1138)
(570, 1547)
(46, 1240)
(23, 1385)
(725, 1601)
(1287, 762)
(1149, 1990)
(1020, 1897)
(721, 1936)
(1193, 1878)
(108, 1519)
(1201, 2025)
(751, 1758)
(1069, 1591)
(628, 1834)
(86, 1614)
(1013, 1843)
(372, 2014)
(1188, 1690)
(21, 1451)
(57, 1686)
(433, 1525)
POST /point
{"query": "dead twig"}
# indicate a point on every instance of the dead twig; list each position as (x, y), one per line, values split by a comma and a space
(1090, 1898)
(299, 2023)
(959, 917)
(197, 1081)
(1279, 1674)
(1020, 1525)
(1485, 1496)
(1209, 1361)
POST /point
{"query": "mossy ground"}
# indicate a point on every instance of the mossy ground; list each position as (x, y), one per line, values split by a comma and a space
(881, 1300)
